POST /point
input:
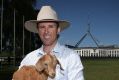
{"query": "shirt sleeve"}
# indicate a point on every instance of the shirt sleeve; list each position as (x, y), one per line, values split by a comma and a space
(23, 62)
(26, 60)
(75, 68)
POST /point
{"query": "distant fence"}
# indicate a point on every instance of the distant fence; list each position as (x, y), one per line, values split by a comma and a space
(10, 61)
(5, 59)
(91, 52)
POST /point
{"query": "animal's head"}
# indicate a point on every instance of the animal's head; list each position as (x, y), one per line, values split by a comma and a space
(47, 63)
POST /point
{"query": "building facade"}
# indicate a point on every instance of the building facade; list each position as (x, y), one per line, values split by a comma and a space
(98, 52)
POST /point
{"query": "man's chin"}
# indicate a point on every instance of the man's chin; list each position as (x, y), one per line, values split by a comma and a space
(47, 44)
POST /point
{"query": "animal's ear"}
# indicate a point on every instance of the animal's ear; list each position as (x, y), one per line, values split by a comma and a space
(60, 65)
(40, 66)
(58, 62)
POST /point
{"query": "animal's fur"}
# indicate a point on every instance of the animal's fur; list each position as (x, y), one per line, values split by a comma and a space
(44, 68)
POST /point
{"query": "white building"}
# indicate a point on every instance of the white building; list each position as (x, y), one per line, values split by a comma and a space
(98, 52)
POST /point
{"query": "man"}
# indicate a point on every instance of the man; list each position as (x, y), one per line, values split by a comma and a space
(48, 28)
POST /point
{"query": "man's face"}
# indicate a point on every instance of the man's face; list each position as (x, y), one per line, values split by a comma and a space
(48, 32)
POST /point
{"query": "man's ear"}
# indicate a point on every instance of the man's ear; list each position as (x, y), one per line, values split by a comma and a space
(59, 30)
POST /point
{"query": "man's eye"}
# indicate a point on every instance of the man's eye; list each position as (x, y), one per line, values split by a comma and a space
(41, 27)
(52, 26)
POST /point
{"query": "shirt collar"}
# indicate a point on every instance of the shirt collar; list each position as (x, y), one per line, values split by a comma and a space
(57, 50)
(41, 52)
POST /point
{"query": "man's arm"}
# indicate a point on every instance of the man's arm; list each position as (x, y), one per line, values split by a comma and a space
(75, 68)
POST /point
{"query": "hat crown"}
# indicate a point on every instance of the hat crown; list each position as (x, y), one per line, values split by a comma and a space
(47, 12)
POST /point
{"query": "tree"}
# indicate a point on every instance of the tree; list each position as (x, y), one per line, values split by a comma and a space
(22, 8)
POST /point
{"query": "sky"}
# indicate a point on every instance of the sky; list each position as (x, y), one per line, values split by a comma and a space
(103, 16)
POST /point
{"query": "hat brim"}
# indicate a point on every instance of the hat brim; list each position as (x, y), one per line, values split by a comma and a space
(31, 25)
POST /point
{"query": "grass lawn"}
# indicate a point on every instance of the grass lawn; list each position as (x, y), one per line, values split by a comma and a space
(6, 71)
(94, 69)
(101, 69)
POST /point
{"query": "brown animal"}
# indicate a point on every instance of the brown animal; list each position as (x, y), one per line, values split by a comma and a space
(44, 68)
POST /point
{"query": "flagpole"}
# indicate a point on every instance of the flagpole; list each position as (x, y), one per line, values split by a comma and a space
(14, 38)
(1, 23)
(23, 37)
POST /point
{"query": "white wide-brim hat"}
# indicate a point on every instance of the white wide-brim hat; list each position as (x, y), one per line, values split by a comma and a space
(45, 14)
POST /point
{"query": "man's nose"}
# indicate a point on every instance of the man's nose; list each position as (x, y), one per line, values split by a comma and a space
(46, 30)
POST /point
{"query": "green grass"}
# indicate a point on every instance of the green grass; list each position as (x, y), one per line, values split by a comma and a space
(94, 69)
(101, 69)
(6, 70)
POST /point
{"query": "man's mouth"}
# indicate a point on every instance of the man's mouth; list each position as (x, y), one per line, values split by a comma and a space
(47, 36)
